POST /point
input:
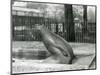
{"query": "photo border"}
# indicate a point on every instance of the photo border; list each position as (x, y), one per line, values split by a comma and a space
(11, 26)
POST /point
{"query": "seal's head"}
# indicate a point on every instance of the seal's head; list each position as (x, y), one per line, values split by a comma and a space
(38, 26)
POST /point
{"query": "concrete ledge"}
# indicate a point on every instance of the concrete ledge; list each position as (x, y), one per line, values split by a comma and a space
(27, 66)
(44, 67)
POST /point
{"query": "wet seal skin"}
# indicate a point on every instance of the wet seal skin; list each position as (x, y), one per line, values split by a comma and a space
(61, 51)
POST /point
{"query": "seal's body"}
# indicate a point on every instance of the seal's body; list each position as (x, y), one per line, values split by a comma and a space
(59, 48)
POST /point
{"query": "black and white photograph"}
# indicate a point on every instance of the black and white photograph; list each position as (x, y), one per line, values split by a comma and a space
(52, 37)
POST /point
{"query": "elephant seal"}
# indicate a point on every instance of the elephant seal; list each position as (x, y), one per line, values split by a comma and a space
(61, 51)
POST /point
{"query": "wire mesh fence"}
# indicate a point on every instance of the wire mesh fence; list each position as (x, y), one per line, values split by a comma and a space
(22, 26)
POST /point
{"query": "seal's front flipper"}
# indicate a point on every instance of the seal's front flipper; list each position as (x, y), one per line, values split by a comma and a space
(57, 56)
